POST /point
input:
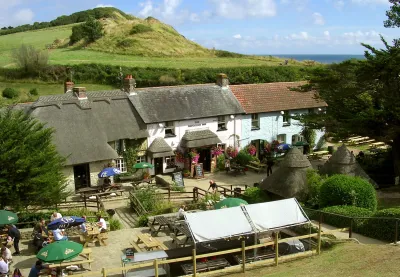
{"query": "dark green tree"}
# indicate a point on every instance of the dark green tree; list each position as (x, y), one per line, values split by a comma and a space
(31, 168)
(92, 30)
(393, 15)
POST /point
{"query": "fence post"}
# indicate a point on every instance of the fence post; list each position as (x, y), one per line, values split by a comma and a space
(243, 256)
(351, 228)
(104, 272)
(155, 268)
(396, 234)
(319, 239)
(276, 248)
(194, 262)
(169, 194)
(84, 199)
(97, 203)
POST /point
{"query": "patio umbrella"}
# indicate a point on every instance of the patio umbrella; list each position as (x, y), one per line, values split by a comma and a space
(229, 203)
(7, 217)
(65, 222)
(283, 146)
(143, 165)
(108, 172)
(59, 251)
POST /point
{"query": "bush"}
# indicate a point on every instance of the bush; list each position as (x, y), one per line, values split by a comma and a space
(383, 229)
(349, 211)
(148, 197)
(347, 190)
(142, 221)
(77, 34)
(34, 92)
(31, 60)
(127, 42)
(255, 195)
(140, 28)
(221, 162)
(243, 158)
(174, 187)
(10, 93)
(114, 224)
(92, 30)
(314, 182)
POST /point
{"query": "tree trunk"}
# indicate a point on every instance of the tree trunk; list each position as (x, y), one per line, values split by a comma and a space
(396, 154)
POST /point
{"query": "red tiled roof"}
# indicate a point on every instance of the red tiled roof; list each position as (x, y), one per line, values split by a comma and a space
(269, 97)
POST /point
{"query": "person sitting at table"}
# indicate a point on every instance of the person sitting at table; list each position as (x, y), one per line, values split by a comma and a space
(6, 254)
(106, 182)
(181, 211)
(40, 227)
(59, 235)
(83, 225)
(55, 216)
(3, 267)
(102, 224)
(35, 270)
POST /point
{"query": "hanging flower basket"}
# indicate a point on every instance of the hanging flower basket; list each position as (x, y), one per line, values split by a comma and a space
(231, 152)
(252, 150)
(216, 151)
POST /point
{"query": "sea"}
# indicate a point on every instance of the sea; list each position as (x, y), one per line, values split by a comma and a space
(321, 58)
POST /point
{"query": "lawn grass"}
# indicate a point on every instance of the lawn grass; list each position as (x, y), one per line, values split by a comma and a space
(347, 259)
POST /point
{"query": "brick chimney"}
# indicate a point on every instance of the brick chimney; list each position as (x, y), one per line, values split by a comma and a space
(68, 86)
(222, 80)
(129, 85)
(80, 92)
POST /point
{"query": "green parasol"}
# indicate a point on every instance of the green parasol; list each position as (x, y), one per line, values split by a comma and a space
(59, 251)
(7, 217)
(143, 165)
(229, 203)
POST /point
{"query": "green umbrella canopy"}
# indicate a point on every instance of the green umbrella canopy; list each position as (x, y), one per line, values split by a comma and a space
(7, 217)
(230, 202)
(300, 143)
(143, 165)
(59, 251)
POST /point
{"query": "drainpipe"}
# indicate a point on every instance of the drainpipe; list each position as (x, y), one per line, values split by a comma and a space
(234, 133)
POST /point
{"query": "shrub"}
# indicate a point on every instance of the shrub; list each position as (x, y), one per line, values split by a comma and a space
(31, 60)
(10, 93)
(92, 30)
(243, 157)
(314, 182)
(349, 211)
(347, 190)
(221, 162)
(255, 195)
(148, 197)
(34, 92)
(140, 28)
(383, 229)
(127, 42)
(77, 34)
(175, 187)
(142, 221)
(114, 224)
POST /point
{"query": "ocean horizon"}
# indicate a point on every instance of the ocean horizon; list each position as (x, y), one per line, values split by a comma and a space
(321, 58)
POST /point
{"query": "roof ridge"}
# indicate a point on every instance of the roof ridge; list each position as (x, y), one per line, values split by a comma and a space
(277, 83)
(189, 85)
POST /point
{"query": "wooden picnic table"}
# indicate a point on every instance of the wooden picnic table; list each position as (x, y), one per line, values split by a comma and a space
(376, 144)
(94, 235)
(89, 190)
(179, 230)
(149, 242)
(258, 167)
(161, 222)
(208, 265)
(237, 169)
(136, 183)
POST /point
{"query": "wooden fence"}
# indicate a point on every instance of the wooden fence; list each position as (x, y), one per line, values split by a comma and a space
(232, 269)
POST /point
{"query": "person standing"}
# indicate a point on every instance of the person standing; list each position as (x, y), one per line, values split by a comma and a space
(270, 163)
(227, 165)
(213, 186)
(14, 233)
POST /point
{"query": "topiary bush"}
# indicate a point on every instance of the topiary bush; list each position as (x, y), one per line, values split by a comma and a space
(142, 221)
(347, 190)
(243, 158)
(383, 229)
(115, 224)
(10, 93)
(342, 221)
(255, 195)
(314, 182)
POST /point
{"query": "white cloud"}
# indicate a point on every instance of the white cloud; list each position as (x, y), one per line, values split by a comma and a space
(237, 36)
(24, 16)
(167, 11)
(240, 9)
(327, 35)
(318, 19)
(147, 9)
(104, 6)
(299, 5)
(338, 4)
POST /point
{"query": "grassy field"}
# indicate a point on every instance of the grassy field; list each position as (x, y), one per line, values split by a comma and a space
(348, 259)
(40, 38)
(43, 89)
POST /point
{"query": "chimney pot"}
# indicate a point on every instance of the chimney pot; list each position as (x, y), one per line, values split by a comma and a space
(222, 80)
(68, 86)
(80, 92)
(129, 85)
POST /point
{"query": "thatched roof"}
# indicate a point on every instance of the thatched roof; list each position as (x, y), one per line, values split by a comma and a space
(290, 179)
(159, 148)
(344, 162)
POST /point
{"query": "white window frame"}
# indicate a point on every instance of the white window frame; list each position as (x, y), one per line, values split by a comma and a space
(286, 118)
(140, 159)
(170, 159)
(169, 129)
(255, 118)
(121, 165)
(118, 143)
(283, 136)
(298, 138)
(222, 123)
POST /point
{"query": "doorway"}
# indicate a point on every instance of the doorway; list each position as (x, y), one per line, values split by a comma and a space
(205, 158)
(158, 166)
(81, 176)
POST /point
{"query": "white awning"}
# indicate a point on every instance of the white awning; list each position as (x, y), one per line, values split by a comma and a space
(229, 222)
(218, 224)
(276, 214)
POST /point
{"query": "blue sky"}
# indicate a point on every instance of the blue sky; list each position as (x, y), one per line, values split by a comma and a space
(245, 26)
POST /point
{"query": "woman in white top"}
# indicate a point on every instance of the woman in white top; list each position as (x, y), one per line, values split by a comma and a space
(6, 254)
(55, 216)
(102, 224)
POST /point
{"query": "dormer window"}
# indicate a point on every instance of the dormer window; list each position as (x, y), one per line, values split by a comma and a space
(169, 129)
(221, 123)
(286, 118)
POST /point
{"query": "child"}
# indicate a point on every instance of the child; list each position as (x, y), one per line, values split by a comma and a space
(17, 273)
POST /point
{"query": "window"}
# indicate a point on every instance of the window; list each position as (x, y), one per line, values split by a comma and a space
(222, 145)
(119, 146)
(286, 118)
(255, 122)
(296, 138)
(170, 161)
(221, 123)
(169, 129)
(311, 111)
(141, 159)
(281, 138)
(120, 164)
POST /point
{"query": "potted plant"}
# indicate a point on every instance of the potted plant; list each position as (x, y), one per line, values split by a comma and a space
(186, 173)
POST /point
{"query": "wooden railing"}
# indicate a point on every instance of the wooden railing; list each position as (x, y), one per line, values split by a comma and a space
(137, 205)
(236, 268)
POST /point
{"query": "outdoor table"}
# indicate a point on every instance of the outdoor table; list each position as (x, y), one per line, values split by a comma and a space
(237, 169)
(206, 266)
(181, 230)
(144, 257)
(162, 221)
(93, 234)
(89, 190)
(149, 242)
